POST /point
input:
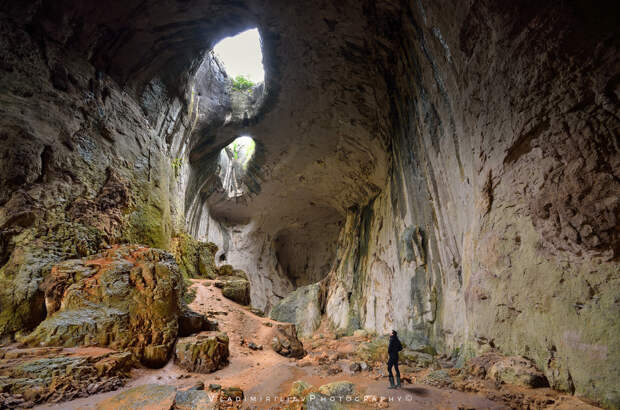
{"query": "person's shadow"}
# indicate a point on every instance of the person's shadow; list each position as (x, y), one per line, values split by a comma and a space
(418, 391)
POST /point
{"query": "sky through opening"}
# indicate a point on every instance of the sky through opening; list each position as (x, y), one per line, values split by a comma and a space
(241, 55)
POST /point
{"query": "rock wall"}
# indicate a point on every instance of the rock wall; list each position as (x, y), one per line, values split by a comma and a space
(498, 227)
(459, 159)
(85, 163)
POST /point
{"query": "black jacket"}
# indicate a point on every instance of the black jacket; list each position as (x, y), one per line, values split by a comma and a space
(394, 347)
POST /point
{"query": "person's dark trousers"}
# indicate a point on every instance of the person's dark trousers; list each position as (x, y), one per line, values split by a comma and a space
(393, 362)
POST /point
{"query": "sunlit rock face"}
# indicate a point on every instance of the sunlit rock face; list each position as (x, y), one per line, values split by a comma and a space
(449, 170)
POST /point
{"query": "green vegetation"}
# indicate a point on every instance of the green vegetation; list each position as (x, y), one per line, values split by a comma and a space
(247, 149)
(235, 150)
(176, 166)
(241, 83)
(189, 294)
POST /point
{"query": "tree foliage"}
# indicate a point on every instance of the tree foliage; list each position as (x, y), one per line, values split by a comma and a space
(242, 83)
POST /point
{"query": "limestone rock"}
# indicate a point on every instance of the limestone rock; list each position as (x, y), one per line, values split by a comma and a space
(373, 351)
(438, 378)
(517, 370)
(337, 389)
(126, 298)
(194, 400)
(237, 290)
(419, 358)
(285, 341)
(233, 394)
(228, 272)
(299, 388)
(301, 307)
(480, 365)
(191, 322)
(319, 401)
(430, 210)
(195, 258)
(42, 375)
(203, 353)
(148, 396)
(22, 303)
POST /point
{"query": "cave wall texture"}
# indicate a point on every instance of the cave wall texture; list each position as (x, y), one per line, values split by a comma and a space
(450, 169)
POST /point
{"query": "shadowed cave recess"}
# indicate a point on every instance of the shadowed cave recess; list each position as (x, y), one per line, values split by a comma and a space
(448, 169)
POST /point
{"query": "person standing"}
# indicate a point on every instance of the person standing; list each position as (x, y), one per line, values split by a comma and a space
(393, 348)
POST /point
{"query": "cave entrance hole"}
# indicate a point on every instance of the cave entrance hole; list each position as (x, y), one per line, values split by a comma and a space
(234, 162)
(242, 58)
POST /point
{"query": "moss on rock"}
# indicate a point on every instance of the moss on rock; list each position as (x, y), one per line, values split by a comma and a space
(130, 301)
(196, 259)
(203, 353)
(237, 290)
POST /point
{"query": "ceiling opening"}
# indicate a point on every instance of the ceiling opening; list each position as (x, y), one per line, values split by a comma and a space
(242, 56)
(234, 161)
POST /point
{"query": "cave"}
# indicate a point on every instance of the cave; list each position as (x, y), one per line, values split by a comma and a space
(447, 170)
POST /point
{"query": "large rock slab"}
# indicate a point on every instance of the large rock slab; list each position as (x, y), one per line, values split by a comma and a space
(126, 298)
(148, 396)
(38, 375)
(301, 307)
(203, 353)
(194, 400)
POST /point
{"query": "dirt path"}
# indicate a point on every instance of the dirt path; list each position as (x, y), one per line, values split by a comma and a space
(265, 375)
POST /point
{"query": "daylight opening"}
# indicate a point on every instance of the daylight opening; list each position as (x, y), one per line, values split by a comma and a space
(242, 56)
(234, 161)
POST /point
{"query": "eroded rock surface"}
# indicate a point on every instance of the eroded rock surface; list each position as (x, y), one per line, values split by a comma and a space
(449, 168)
(195, 258)
(203, 353)
(301, 307)
(285, 341)
(32, 376)
(126, 298)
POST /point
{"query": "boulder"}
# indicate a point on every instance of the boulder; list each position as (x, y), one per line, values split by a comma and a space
(301, 307)
(191, 322)
(419, 358)
(373, 351)
(196, 259)
(517, 370)
(337, 389)
(203, 353)
(480, 365)
(126, 298)
(285, 342)
(148, 396)
(234, 394)
(299, 388)
(237, 290)
(228, 272)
